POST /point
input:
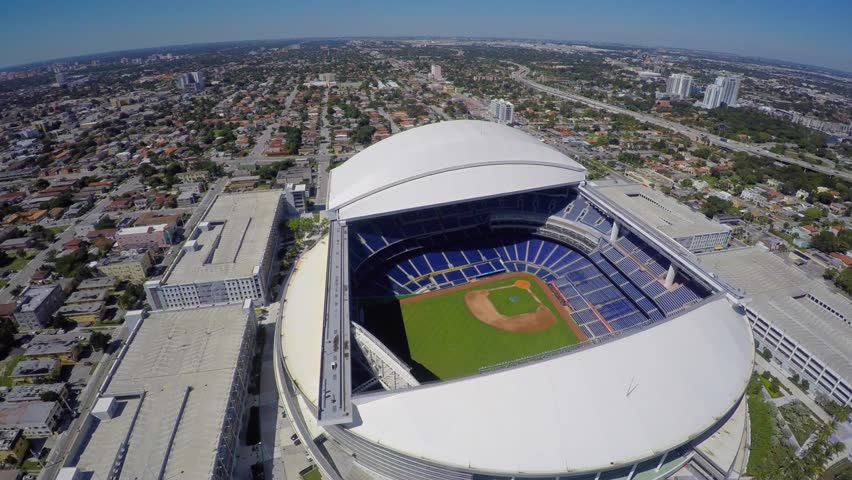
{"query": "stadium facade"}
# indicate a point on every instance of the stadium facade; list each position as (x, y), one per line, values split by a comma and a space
(228, 256)
(657, 381)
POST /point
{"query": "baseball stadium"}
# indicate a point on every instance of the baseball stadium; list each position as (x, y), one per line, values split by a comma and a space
(479, 310)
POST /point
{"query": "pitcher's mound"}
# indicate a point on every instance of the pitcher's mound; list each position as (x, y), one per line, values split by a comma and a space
(484, 311)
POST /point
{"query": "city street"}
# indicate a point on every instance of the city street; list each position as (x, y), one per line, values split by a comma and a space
(22, 277)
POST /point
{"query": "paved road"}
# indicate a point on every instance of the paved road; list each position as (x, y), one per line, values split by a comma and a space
(86, 400)
(22, 277)
(692, 133)
(393, 124)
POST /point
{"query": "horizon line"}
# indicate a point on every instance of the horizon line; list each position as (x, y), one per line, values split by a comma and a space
(412, 37)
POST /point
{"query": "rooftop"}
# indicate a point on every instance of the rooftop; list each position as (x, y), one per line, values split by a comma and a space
(97, 282)
(25, 413)
(82, 307)
(658, 210)
(444, 163)
(230, 240)
(124, 256)
(32, 391)
(8, 439)
(785, 296)
(34, 295)
(28, 368)
(625, 402)
(143, 229)
(176, 356)
(48, 344)
(82, 296)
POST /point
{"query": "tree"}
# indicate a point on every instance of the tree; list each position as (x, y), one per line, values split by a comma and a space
(130, 297)
(714, 206)
(827, 242)
(49, 396)
(99, 341)
(813, 214)
(7, 335)
(59, 322)
(105, 222)
(844, 280)
(300, 227)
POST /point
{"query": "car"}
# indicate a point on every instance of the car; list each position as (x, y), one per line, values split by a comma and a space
(294, 436)
(297, 442)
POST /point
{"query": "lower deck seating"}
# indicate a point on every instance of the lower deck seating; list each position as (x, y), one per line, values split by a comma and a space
(619, 285)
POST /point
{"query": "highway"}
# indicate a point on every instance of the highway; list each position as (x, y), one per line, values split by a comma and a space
(521, 76)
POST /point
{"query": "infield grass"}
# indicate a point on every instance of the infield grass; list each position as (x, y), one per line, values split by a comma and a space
(511, 301)
(445, 338)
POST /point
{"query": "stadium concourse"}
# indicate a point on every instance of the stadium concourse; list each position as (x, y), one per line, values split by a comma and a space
(637, 364)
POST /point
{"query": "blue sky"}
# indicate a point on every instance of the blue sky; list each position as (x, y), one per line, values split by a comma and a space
(817, 32)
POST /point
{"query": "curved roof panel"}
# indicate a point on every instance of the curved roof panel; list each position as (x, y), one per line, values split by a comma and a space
(605, 406)
(443, 163)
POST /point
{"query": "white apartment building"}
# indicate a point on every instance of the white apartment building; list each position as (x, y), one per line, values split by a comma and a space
(679, 85)
(502, 111)
(724, 90)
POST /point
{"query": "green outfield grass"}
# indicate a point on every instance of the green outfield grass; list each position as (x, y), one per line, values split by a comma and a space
(443, 337)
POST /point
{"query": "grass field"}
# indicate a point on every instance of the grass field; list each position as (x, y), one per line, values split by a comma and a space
(512, 301)
(443, 339)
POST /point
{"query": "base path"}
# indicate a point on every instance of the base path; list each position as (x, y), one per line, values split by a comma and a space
(564, 312)
(481, 307)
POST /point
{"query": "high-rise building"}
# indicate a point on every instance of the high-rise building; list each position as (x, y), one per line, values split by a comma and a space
(730, 90)
(679, 85)
(436, 72)
(712, 96)
(191, 82)
(326, 77)
(503, 111)
(724, 90)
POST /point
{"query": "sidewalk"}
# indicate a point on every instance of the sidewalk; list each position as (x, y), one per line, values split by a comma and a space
(761, 365)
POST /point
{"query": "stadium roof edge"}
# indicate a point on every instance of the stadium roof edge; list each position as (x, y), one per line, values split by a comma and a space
(446, 162)
(636, 402)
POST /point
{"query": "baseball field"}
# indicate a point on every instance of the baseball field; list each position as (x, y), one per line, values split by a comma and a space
(454, 332)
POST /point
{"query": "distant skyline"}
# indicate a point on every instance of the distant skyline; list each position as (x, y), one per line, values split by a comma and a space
(812, 32)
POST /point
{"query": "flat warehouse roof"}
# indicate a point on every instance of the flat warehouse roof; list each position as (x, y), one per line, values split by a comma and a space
(230, 240)
(175, 379)
(780, 294)
(658, 210)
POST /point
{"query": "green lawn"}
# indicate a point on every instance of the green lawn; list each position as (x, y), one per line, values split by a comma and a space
(19, 263)
(767, 446)
(449, 342)
(6, 368)
(511, 301)
(313, 474)
(31, 465)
